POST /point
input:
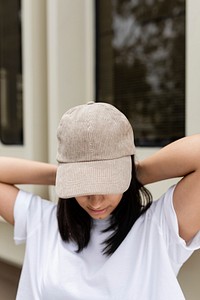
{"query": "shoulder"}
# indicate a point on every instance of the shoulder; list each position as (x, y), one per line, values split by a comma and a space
(164, 204)
(162, 207)
(160, 227)
(27, 202)
(163, 213)
(161, 217)
(30, 212)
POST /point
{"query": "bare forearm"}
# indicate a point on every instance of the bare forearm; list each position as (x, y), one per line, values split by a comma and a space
(178, 159)
(21, 171)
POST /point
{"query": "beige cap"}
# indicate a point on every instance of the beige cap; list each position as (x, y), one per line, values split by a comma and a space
(95, 144)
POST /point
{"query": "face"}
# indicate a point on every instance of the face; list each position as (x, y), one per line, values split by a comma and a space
(99, 206)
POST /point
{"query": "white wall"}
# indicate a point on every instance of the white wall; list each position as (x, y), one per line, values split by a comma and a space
(70, 59)
(34, 108)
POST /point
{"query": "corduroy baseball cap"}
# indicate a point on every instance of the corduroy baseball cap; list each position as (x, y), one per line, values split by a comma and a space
(95, 144)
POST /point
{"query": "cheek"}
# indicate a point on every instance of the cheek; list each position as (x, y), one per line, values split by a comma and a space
(82, 202)
(115, 202)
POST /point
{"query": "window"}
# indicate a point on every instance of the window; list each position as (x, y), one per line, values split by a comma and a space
(140, 65)
(11, 127)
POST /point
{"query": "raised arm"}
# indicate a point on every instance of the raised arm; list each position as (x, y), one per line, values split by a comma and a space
(178, 159)
(19, 171)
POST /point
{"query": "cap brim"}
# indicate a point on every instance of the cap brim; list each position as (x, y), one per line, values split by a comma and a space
(93, 177)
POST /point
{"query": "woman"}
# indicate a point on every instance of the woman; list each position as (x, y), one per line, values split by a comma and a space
(105, 239)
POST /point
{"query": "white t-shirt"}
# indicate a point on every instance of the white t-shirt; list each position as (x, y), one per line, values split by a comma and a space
(144, 267)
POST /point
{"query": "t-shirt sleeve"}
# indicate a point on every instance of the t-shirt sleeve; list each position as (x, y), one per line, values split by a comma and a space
(179, 251)
(29, 212)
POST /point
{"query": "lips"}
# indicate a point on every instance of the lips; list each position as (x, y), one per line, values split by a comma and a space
(97, 211)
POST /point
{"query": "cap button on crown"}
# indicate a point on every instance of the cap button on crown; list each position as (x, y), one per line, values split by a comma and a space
(90, 102)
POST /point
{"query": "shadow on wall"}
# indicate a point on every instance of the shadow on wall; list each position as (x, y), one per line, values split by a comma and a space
(9, 277)
(189, 277)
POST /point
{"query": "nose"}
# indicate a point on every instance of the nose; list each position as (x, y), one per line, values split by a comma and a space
(96, 201)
